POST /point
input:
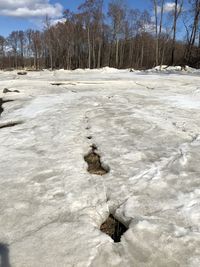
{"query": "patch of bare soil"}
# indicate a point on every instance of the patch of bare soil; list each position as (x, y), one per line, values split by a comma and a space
(2, 102)
(113, 228)
(94, 162)
(22, 73)
(57, 84)
(9, 124)
(6, 90)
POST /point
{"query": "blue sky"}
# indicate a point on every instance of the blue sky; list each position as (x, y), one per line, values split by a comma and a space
(11, 17)
(24, 14)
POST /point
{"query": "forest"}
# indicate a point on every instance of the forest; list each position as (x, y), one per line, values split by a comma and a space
(119, 36)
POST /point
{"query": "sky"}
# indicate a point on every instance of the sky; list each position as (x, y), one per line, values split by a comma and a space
(24, 14)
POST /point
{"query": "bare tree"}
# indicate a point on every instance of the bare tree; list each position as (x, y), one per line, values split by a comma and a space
(117, 14)
(2, 51)
(13, 43)
(178, 4)
(192, 31)
(122, 38)
(21, 37)
(158, 13)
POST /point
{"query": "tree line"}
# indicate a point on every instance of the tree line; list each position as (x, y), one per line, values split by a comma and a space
(121, 37)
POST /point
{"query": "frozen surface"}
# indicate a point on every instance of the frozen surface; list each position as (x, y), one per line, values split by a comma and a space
(146, 126)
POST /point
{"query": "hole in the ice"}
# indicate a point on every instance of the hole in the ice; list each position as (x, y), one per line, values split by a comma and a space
(57, 84)
(22, 73)
(114, 228)
(6, 90)
(2, 102)
(94, 162)
(4, 255)
(9, 124)
(89, 137)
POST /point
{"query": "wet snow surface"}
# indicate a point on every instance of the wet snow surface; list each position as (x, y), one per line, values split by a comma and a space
(146, 127)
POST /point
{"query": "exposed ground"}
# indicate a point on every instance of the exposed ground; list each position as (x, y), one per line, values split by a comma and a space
(146, 131)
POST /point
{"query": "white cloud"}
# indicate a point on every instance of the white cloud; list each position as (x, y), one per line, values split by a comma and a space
(55, 21)
(30, 8)
(170, 7)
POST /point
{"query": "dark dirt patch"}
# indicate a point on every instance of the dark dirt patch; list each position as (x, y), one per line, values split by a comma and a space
(2, 102)
(22, 73)
(57, 84)
(6, 90)
(9, 124)
(114, 228)
(94, 162)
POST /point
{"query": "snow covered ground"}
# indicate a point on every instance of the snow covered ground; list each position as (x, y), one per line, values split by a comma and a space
(146, 126)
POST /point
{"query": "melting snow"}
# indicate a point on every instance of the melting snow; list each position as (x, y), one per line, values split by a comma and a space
(146, 126)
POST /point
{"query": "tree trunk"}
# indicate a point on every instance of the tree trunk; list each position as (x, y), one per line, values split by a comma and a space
(156, 25)
(99, 55)
(117, 54)
(176, 15)
(89, 49)
(93, 53)
(160, 54)
(193, 33)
